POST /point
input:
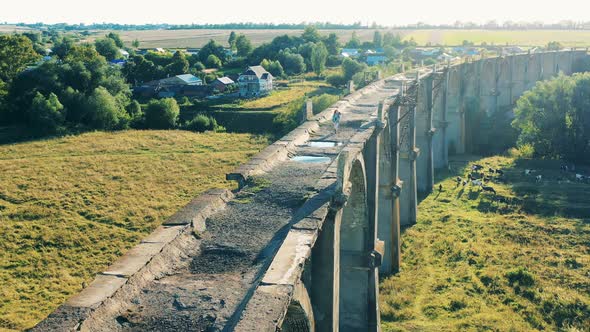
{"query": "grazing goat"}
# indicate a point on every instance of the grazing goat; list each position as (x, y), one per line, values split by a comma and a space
(539, 178)
(487, 188)
(476, 182)
(499, 172)
(580, 177)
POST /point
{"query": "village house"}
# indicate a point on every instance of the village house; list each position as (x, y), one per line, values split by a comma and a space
(254, 82)
(179, 85)
(349, 53)
(223, 83)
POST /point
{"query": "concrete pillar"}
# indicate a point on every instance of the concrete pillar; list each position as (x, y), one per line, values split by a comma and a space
(444, 123)
(308, 109)
(429, 134)
(407, 166)
(350, 87)
(325, 285)
(424, 134)
(389, 190)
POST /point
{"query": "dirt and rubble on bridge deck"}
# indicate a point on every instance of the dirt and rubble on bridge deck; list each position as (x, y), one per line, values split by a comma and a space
(217, 271)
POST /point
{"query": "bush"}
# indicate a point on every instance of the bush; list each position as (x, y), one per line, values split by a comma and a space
(520, 277)
(202, 123)
(350, 67)
(213, 62)
(162, 114)
(333, 61)
(46, 113)
(336, 80)
(105, 111)
(322, 102)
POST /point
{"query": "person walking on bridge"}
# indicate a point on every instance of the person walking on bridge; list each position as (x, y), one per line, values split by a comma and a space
(336, 120)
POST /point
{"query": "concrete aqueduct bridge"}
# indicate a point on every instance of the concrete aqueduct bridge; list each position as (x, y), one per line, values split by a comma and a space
(299, 247)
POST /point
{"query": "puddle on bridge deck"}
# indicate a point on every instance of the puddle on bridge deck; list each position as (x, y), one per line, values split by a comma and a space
(323, 144)
(311, 159)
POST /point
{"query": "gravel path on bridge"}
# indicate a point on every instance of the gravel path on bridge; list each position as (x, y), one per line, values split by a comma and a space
(210, 285)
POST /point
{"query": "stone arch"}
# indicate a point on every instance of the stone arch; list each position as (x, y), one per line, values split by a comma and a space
(356, 301)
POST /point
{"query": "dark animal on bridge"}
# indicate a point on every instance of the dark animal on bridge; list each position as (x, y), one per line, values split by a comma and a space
(489, 189)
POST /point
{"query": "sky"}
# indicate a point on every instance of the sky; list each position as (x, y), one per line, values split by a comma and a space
(384, 12)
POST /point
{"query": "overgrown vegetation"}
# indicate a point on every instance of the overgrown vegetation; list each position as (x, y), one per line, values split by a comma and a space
(517, 261)
(70, 206)
(554, 118)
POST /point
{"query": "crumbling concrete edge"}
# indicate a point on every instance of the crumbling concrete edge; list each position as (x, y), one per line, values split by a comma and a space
(143, 263)
(283, 278)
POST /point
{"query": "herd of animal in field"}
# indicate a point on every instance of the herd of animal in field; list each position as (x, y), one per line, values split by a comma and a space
(477, 177)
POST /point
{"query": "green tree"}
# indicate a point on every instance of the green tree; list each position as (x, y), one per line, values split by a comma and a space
(293, 64)
(107, 48)
(377, 39)
(554, 46)
(16, 53)
(332, 44)
(213, 62)
(47, 114)
(243, 45)
(311, 34)
(105, 111)
(178, 66)
(232, 40)
(61, 48)
(351, 67)
(116, 38)
(212, 47)
(554, 118)
(354, 41)
(162, 114)
(135, 43)
(319, 55)
(273, 67)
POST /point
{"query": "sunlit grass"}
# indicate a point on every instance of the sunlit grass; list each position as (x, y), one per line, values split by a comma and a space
(472, 263)
(569, 38)
(282, 97)
(70, 206)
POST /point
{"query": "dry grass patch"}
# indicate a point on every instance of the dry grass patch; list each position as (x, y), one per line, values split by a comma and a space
(70, 206)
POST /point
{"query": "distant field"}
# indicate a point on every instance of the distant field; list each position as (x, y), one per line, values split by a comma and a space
(70, 206)
(519, 262)
(501, 37)
(197, 38)
(12, 29)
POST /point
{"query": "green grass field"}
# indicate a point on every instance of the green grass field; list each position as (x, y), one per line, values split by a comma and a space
(70, 206)
(473, 263)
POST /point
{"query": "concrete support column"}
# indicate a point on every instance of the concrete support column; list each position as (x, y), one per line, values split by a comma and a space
(444, 123)
(308, 109)
(407, 166)
(325, 275)
(388, 216)
(429, 135)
